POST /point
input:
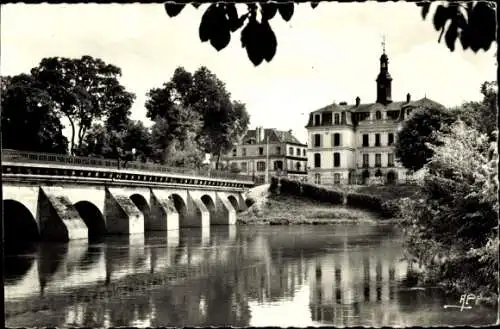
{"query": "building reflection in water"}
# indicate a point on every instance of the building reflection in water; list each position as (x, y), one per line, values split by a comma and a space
(243, 277)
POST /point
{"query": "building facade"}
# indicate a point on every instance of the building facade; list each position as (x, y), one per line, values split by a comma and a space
(354, 144)
(261, 149)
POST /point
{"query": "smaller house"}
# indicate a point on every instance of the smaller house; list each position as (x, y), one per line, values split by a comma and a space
(267, 150)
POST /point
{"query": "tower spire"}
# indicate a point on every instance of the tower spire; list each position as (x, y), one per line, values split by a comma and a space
(384, 78)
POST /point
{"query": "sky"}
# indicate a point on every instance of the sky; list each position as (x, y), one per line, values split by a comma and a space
(324, 55)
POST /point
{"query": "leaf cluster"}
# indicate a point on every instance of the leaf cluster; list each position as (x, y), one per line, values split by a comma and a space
(221, 20)
(473, 23)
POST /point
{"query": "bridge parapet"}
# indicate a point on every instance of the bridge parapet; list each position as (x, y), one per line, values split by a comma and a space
(88, 162)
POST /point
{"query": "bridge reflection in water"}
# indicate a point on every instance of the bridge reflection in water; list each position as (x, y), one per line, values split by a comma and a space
(342, 276)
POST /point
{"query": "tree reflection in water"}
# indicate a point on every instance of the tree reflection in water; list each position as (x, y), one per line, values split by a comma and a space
(343, 276)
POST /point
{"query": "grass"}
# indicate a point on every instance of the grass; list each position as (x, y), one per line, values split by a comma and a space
(289, 210)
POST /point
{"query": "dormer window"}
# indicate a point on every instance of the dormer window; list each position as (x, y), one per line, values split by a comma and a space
(337, 118)
(317, 119)
(378, 115)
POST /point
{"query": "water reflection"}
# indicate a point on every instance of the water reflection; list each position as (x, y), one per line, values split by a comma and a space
(341, 276)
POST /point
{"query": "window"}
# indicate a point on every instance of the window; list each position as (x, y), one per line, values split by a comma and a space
(298, 166)
(261, 166)
(390, 138)
(317, 179)
(244, 151)
(317, 160)
(261, 151)
(234, 152)
(336, 159)
(366, 160)
(278, 165)
(278, 150)
(336, 139)
(297, 151)
(336, 119)
(290, 150)
(243, 166)
(390, 160)
(317, 120)
(342, 120)
(378, 160)
(317, 140)
(378, 115)
(304, 152)
(336, 178)
(377, 139)
(365, 140)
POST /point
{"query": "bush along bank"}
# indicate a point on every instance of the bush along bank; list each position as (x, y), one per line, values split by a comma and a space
(368, 202)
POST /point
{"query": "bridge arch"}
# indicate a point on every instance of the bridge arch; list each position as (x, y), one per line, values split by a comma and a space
(210, 204)
(180, 205)
(20, 225)
(142, 204)
(93, 218)
(234, 202)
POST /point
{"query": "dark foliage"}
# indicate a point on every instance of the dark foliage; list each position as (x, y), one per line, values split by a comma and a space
(421, 128)
(364, 201)
(313, 192)
(472, 23)
(249, 201)
(29, 121)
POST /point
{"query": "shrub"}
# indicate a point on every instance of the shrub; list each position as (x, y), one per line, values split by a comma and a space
(364, 201)
(322, 194)
(250, 201)
(273, 188)
(457, 213)
(290, 187)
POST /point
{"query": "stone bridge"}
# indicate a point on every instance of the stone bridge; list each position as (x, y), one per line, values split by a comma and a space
(61, 198)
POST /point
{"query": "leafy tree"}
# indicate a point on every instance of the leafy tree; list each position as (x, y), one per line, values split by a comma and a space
(29, 122)
(112, 143)
(419, 130)
(482, 115)
(452, 229)
(84, 90)
(196, 105)
(473, 23)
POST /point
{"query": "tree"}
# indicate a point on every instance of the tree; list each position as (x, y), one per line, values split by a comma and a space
(421, 128)
(482, 115)
(29, 122)
(105, 142)
(196, 105)
(473, 23)
(452, 228)
(84, 90)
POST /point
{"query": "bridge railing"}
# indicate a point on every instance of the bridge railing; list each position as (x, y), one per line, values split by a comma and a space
(33, 157)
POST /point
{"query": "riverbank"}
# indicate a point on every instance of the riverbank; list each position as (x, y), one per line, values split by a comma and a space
(272, 209)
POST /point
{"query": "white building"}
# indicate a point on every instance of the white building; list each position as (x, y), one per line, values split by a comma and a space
(354, 144)
(261, 148)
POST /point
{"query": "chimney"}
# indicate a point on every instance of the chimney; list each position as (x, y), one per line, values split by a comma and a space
(358, 101)
(343, 103)
(257, 135)
(262, 134)
(408, 97)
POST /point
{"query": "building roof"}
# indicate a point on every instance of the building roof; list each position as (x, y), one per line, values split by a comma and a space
(275, 136)
(368, 107)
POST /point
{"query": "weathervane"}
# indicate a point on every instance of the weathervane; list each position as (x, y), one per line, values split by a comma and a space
(383, 43)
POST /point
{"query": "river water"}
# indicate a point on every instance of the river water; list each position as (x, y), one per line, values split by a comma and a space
(340, 275)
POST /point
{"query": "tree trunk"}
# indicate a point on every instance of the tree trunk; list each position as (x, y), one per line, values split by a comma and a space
(217, 162)
(73, 131)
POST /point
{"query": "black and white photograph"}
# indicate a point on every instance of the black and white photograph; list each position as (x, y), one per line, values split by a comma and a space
(249, 164)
